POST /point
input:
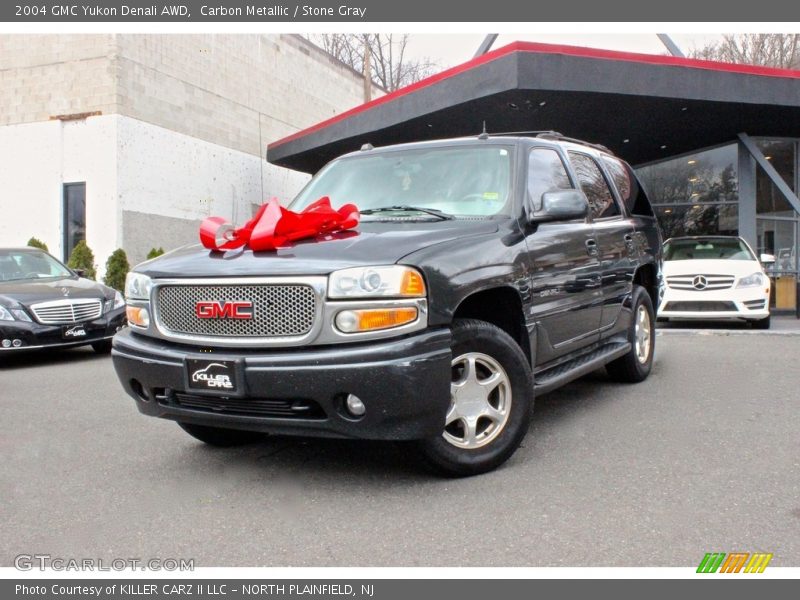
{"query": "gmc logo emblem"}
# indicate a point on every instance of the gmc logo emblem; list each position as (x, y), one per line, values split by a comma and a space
(212, 309)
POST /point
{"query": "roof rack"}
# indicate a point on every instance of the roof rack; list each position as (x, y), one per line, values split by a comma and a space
(549, 134)
(564, 138)
(536, 133)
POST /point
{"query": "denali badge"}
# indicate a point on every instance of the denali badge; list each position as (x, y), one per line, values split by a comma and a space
(211, 377)
(213, 309)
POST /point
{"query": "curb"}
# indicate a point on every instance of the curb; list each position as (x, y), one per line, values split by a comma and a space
(726, 332)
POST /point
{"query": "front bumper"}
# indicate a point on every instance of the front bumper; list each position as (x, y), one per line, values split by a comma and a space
(35, 336)
(745, 303)
(404, 384)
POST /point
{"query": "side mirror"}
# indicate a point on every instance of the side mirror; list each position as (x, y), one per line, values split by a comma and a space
(80, 272)
(562, 205)
(767, 259)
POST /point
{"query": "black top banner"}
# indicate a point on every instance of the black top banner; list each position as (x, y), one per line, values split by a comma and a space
(334, 11)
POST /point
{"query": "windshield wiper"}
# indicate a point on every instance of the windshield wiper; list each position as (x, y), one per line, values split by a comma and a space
(405, 207)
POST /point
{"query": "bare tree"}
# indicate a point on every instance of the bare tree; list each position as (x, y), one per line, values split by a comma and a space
(389, 65)
(766, 49)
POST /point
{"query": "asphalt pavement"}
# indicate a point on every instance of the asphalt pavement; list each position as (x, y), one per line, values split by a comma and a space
(702, 457)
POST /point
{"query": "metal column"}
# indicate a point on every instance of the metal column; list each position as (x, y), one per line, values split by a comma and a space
(747, 196)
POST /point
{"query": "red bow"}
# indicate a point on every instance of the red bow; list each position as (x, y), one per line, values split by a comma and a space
(274, 226)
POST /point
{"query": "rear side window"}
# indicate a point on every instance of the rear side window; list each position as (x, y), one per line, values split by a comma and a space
(546, 173)
(593, 184)
(631, 193)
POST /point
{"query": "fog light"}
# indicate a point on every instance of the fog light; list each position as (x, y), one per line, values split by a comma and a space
(17, 343)
(355, 406)
(6, 343)
(138, 316)
(347, 321)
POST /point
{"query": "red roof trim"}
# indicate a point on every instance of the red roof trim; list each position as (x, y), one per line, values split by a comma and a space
(579, 51)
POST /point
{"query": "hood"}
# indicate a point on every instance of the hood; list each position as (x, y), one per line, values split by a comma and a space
(32, 291)
(372, 243)
(738, 268)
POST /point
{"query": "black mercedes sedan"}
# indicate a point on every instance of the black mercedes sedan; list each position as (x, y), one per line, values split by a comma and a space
(45, 304)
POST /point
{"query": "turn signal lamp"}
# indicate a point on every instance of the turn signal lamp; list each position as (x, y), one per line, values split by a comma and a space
(356, 321)
(138, 316)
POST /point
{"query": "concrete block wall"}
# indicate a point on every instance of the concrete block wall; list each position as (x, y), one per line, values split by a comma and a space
(42, 76)
(239, 91)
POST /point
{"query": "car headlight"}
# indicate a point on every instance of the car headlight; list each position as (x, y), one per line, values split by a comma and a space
(5, 314)
(393, 281)
(20, 315)
(756, 279)
(137, 286)
(117, 302)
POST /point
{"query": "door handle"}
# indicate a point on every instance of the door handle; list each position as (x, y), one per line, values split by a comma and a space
(591, 247)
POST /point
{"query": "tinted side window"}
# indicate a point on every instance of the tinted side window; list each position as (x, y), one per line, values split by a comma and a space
(632, 194)
(546, 173)
(593, 184)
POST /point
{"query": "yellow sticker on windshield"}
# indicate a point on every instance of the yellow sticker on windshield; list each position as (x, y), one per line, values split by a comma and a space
(490, 195)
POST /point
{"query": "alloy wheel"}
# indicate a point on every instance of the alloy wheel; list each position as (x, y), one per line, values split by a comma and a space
(480, 401)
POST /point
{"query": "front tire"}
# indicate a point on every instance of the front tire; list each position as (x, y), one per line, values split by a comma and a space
(491, 402)
(636, 365)
(217, 436)
(761, 323)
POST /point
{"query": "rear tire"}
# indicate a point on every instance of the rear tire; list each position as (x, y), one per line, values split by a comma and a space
(220, 437)
(636, 365)
(761, 323)
(491, 402)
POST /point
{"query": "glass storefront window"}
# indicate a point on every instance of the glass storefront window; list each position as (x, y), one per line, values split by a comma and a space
(779, 238)
(769, 201)
(705, 177)
(700, 219)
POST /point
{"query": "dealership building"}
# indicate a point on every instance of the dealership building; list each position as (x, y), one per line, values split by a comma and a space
(129, 141)
(715, 144)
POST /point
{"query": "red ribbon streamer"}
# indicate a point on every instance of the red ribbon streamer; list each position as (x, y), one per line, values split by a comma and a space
(275, 226)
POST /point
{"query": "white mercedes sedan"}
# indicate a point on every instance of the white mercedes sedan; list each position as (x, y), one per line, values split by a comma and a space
(714, 278)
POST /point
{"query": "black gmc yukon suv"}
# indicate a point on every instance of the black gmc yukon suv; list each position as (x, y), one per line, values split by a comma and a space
(484, 271)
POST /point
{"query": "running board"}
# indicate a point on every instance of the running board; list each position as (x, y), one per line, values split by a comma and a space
(550, 379)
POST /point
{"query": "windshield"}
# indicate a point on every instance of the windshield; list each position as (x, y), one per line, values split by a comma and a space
(29, 264)
(707, 249)
(455, 180)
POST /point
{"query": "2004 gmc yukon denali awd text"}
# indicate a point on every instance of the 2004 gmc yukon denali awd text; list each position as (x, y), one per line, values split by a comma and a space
(484, 271)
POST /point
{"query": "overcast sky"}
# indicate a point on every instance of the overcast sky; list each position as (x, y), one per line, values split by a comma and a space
(451, 49)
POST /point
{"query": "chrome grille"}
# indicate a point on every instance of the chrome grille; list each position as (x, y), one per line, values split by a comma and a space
(700, 282)
(279, 310)
(64, 312)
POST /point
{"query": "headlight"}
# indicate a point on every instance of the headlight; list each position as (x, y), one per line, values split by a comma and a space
(137, 286)
(5, 314)
(756, 279)
(117, 302)
(377, 282)
(20, 315)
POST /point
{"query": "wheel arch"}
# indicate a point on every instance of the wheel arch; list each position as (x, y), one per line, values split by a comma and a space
(501, 306)
(646, 276)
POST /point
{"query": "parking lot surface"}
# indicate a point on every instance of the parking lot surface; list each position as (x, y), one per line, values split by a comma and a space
(702, 457)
